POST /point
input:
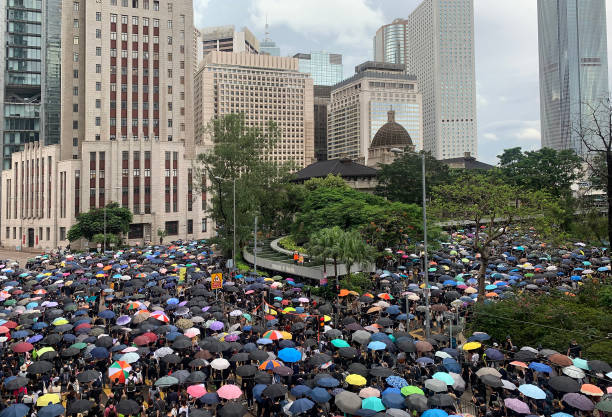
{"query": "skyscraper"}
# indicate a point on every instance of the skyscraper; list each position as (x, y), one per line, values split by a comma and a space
(324, 68)
(573, 69)
(268, 46)
(360, 104)
(263, 88)
(126, 128)
(227, 39)
(436, 43)
(29, 74)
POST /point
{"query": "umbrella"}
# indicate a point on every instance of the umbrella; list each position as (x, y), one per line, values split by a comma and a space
(372, 403)
(300, 406)
(274, 391)
(39, 367)
(516, 405)
(440, 401)
(592, 390)
(220, 364)
(119, 371)
(128, 407)
(233, 409)
(166, 381)
(52, 410)
(573, 372)
(563, 384)
(355, 379)
(532, 391)
(434, 412)
(443, 376)
(229, 392)
(15, 383)
(369, 392)
(416, 402)
(348, 402)
(15, 410)
(300, 391)
(79, 406)
(47, 399)
(88, 376)
(289, 355)
(196, 391)
(393, 400)
(319, 395)
(579, 401)
(396, 382)
(411, 389)
(435, 385)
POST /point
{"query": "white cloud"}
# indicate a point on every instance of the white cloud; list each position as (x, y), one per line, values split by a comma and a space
(198, 10)
(528, 134)
(340, 22)
(490, 136)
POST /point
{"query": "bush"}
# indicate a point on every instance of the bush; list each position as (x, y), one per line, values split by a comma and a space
(326, 292)
(110, 238)
(288, 243)
(552, 320)
(360, 282)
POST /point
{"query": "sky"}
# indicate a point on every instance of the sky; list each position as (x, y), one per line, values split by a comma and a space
(506, 45)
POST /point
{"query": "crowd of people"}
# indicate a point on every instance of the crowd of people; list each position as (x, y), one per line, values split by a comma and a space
(146, 332)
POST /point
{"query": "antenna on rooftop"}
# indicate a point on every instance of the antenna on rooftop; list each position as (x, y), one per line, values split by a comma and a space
(267, 33)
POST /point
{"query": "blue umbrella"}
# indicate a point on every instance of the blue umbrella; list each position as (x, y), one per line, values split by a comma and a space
(434, 412)
(479, 337)
(300, 390)
(540, 367)
(210, 398)
(451, 365)
(328, 382)
(425, 360)
(396, 381)
(393, 400)
(532, 391)
(289, 355)
(99, 352)
(300, 406)
(15, 410)
(107, 314)
(257, 391)
(19, 334)
(379, 337)
(376, 345)
(494, 354)
(319, 395)
(52, 410)
(560, 414)
(391, 390)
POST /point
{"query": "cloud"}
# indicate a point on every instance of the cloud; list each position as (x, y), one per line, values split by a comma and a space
(340, 22)
(490, 136)
(198, 10)
(529, 134)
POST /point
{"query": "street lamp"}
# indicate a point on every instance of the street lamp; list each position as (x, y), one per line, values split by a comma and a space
(234, 212)
(425, 260)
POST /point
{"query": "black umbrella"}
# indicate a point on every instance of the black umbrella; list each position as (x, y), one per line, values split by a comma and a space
(128, 407)
(233, 409)
(563, 384)
(171, 358)
(347, 352)
(325, 309)
(246, 370)
(78, 406)
(196, 377)
(198, 412)
(240, 357)
(16, 383)
(40, 367)
(196, 363)
(440, 401)
(358, 368)
(381, 372)
(406, 346)
(259, 355)
(600, 366)
(104, 341)
(525, 356)
(319, 359)
(492, 381)
(51, 339)
(48, 356)
(88, 376)
(416, 402)
(69, 352)
(263, 378)
(385, 321)
(274, 391)
(297, 326)
(182, 343)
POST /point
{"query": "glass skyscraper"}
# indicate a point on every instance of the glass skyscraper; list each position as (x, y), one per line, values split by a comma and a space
(573, 69)
(29, 74)
(324, 68)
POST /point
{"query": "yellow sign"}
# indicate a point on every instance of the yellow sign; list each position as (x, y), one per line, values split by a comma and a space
(216, 282)
(182, 274)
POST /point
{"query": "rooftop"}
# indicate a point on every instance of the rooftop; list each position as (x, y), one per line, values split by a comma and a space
(346, 168)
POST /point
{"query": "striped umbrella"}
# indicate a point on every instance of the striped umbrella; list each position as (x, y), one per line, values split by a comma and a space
(119, 370)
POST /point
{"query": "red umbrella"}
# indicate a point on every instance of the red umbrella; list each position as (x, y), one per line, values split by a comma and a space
(141, 340)
(83, 326)
(151, 336)
(10, 324)
(22, 347)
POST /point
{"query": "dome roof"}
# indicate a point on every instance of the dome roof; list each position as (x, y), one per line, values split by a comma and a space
(391, 135)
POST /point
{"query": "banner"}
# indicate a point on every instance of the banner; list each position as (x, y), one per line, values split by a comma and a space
(216, 282)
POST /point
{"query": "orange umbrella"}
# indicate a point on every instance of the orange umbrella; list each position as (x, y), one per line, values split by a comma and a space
(519, 364)
(561, 360)
(107, 268)
(343, 292)
(491, 294)
(592, 390)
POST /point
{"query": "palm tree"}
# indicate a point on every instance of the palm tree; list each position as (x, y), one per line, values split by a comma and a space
(326, 244)
(354, 250)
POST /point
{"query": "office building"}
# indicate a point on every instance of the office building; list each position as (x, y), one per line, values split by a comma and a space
(322, 98)
(324, 68)
(263, 88)
(573, 69)
(436, 43)
(30, 35)
(126, 129)
(268, 46)
(360, 104)
(227, 39)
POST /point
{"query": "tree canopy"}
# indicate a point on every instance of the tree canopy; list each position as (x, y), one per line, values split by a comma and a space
(401, 179)
(89, 224)
(261, 184)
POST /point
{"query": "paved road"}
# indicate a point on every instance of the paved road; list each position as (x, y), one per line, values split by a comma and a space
(21, 257)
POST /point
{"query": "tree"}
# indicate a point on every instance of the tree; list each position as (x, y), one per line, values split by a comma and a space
(162, 233)
(494, 207)
(239, 154)
(320, 246)
(353, 250)
(88, 224)
(596, 138)
(401, 180)
(545, 169)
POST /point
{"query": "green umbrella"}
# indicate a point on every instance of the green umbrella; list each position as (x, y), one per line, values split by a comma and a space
(605, 405)
(411, 389)
(581, 363)
(79, 345)
(10, 302)
(339, 343)
(372, 403)
(247, 316)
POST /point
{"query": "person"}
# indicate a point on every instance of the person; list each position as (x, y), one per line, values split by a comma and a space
(574, 350)
(508, 346)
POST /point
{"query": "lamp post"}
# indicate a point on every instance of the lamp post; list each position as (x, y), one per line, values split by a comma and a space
(425, 259)
(234, 213)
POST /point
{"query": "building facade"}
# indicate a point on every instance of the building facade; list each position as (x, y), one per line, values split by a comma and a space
(573, 51)
(268, 46)
(436, 43)
(322, 98)
(323, 67)
(359, 108)
(30, 34)
(126, 128)
(227, 39)
(263, 88)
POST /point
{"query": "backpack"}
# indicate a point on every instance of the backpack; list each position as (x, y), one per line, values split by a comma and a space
(112, 412)
(131, 385)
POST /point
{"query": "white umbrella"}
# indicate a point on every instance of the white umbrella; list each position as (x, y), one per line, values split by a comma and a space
(508, 385)
(220, 364)
(163, 351)
(573, 372)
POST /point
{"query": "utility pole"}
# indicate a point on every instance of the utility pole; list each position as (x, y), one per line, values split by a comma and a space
(425, 260)
(255, 247)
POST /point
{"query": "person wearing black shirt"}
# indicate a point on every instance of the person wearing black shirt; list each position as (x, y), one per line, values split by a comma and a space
(574, 350)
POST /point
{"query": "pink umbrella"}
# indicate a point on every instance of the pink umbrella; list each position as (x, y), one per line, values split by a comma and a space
(517, 405)
(229, 392)
(196, 391)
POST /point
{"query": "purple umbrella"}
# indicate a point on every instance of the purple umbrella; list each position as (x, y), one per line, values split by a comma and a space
(123, 320)
(516, 405)
(216, 325)
(231, 338)
(34, 338)
(205, 309)
(579, 401)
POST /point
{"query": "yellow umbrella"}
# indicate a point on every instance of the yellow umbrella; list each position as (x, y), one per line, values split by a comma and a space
(286, 335)
(471, 346)
(47, 399)
(326, 319)
(39, 352)
(355, 379)
(289, 310)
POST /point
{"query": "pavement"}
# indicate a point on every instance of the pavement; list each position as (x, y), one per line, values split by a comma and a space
(13, 255)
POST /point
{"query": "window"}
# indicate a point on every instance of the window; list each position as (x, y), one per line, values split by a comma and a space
(170, 57)
(113, 36)
(170, 7)
(75, 57)
(135, 37)
(98, 16)
(203, 225)
(75, 40)
(75, 23)
(62, 230)
(172, 228)
(145, 21)
(98, 103)
(98, 51)
(98, 121)
(124, 3)
(124, 36)
(98, 33)
(189, 226)
(113, 52)
(75, 91)
(75, 124)
(155, 23)
(75, 6)
(75, 141)
(169, 40)
(113, 18)
(98, 137)
(98, 86)
(124, 19)
(156, 5)
(75, 107)
(169, 24)
(75, 73)
(98, 68)
(134, 20)
(169, 122)
(48, 233)
(147, 172)
(135, 4)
